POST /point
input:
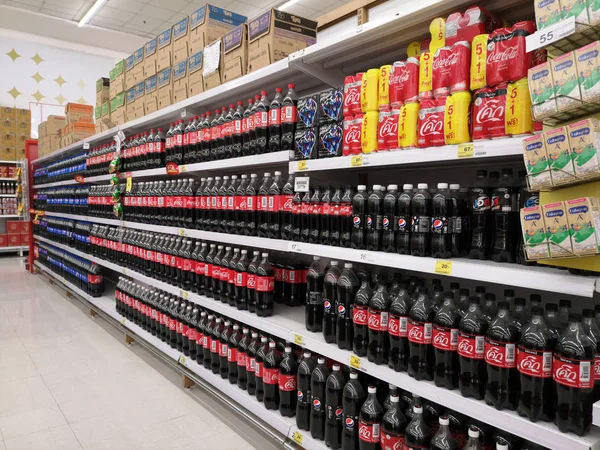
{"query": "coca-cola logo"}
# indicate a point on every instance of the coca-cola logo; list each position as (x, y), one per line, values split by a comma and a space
(416, 334)
(492, 111)
(178, 202)
(431, 126)
(394, 327)
(466, 347)
(288, 204)
(352, 96)
(364, 433)
(565, 373)
(441, 340)
(508, 54)
(530, 364)
(388, 128)
(360, 316)
(399, 77)
(444, 59)
(352, 135)
(374, 321)
(290, 384)
(494, 355)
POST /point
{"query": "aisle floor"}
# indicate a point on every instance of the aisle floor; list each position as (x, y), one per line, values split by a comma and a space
(68, 381)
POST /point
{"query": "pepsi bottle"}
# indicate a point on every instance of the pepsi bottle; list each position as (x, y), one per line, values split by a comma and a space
(304, 403)
(441, 244)
(374, 222)
(318, 382)
(359, 202)
(346, 290)
(329, 302)
(353, 396)
(388, 240)
(420, 230)
(334, 409)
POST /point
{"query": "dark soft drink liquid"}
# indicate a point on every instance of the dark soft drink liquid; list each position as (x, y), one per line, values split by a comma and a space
(390, 200)
(443, 439)
(253, 347)
(398, 330)
(417, 434)
(265, 286)
(318, 382)
(314, 299)
(304, 403)
(445, 344)
(271, 377)
(346, 225)
(504, 211)
(288, 384)
(286, 210)
(359, 204)
(347, 286)
(275, 206)
(360, 315)
(334, 409)
(403, 220)
(369, 422)
(420, 230)
(420, 333)
(275, 121)
(479, 208)
(441, 244)
(378, 346)
(374, 218)
(353, 396)
(471, 350)
(289, 113)
(329, 301)
(261, 353)
(314, 216)
(242, 359)
(393, 425)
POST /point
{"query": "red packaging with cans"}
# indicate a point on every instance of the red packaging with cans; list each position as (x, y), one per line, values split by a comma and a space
(451, 69)
(352, 135)
(464, 27)
(431, 122)
(387, 131)
(507, 58)
(404, 82)
(352, 84)
(489, 112)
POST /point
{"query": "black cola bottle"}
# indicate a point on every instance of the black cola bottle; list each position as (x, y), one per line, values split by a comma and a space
(420, 332)
(471, 350)
(318, 381)
(288, 383)
(369, 422)
(353, 397)
(304, 404)
(393, 426)
(417, 434)
(313, 312)
(334, 409)
(445, 344)
(346, 290)
(329, 301)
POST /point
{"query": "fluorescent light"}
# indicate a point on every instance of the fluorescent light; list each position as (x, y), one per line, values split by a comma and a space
(93, 10)
(287, 4)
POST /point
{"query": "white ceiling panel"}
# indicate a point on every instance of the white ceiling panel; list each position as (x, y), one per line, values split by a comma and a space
(28, 2)
(117, 15)
(319, 5)
(244, 9)
(70, 4)
(189, 8)
(34, 8)
(133, 6)
(303, 11)
(261, 3)
(156, 13)
(171, 5)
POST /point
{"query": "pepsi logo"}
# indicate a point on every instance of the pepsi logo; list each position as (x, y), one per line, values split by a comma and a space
(369, 221)
(386, 222)
(341, 310)
(327, 305)
(438, 224)
(350, 422)
(317, 403)
(300, 395)
(356, 220)
(339, 412)
(402, 224)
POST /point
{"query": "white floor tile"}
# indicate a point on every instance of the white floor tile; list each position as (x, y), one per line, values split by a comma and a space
(21, 395)
(31, 421)
(59, 438)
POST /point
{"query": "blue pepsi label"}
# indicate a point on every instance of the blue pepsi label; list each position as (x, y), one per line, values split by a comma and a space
(308, 111)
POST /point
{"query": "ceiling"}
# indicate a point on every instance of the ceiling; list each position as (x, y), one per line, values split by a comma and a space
(147, 18)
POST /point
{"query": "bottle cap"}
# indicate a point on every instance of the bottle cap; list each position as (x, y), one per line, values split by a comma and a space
(277, 172)
(353, 376)
(392, 187)
(442, 185)
(288, 349)
(333, 263)
(501, 445)
(307, 354)
(444, 420)
(336, 367)
(361, 187)
(418, 409)
(422, 186)
(272, 344)
(376, 187)
(455, 187)
(265, 255)
(407, 187)
(391, 386)
(316, 258)
(321, 360)
(372, 390)
(474, 433)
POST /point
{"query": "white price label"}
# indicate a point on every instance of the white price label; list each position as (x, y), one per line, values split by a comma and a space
(548, 35)
(367, 257)
(183, 113)
(86, 146)
(302, 184)
(295, 247)
(121, 135)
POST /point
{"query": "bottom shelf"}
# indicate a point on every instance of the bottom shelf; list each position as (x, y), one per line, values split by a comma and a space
(22, 248)
(284, 425)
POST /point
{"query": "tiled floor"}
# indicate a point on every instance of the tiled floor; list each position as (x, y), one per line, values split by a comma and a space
(68, 382)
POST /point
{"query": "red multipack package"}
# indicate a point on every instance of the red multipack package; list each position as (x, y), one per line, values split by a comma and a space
(352, 135)
(431, 122)
(489, 112)
(464, 27)
(387, 132)
(451, 69)
(352, 84)
(507, 58)
(404, 82)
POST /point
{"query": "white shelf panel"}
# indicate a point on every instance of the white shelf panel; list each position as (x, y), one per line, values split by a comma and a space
(10, 216)
(509, 147)
(14, 249)
(9, 179)
(113, 222)
(8, 196)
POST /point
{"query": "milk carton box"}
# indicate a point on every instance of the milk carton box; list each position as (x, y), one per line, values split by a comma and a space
(547, 12)
(558, 150)
(587, 59)
(594, 11)
(557, 230)
(584, 140)
(534, 233)
(584, 225)
(536, 162)
(566, 82)
(541, 89)
(576, 9)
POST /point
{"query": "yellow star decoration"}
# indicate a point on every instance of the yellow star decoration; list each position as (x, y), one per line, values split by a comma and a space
(13, 55)
(37, 77)
(37, 59)
(82, 84)
(14, 92)
(60, 80)
(81, 100)
(60, 99)
(38, 96)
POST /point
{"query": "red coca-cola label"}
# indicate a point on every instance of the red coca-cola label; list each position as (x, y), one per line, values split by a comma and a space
(289, 114)
(216, 272)
(200, 339)
(296, 276)
(251, 281)
(404, 82)
(360, 315)
(223, 350)
(369, 432)
(286, 203)
(191, 333)
(231, 354)
(430, 126)
(265, 284)
(224, 274)
(507, 58)
(445, 338)
(489, 112)
(500, 354)
(398, 326)
(572, 373)
(251, 364)
(241, 279)
(352, 104)
(251, 203)
(535, 363)
(261, 119)
(242, 359)
(95, 279)
(387, 137)
(378, 320)
(275, 116)
(258, 369)
(471, 346)
(352, 136)
(451, 69)
(287, 383)
(273, 203)
(345, 209)
(391, 442)
(207, 344)
(420, 332)
(597, 367)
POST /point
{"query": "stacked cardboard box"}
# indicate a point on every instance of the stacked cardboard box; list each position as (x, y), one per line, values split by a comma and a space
(102, 97)
(80, 123)
(17, 234)
(15, 129)
(117, 91)
(49, 134)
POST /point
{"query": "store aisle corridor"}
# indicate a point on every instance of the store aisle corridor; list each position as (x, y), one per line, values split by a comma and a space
(68, 381)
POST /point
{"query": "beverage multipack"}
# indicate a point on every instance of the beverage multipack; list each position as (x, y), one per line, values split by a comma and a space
(558, 150)
(507, 58)
(584, 225)
(547, 12)
(541, 90)
(488, 115)
(534, 233)
(584, 141)
(536, 162)
(557, 230)
(566, 82)
(587, 59)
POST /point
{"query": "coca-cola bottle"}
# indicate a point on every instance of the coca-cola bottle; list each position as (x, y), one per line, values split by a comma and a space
(313, 312)
(286, 210)
(334, 409)
(261, 123)
(345, 218)
(247, 124)
(318, 382)
(224, 349)
(304, 403)
(325, 217)
(275, 121)
(473, 442)
(378, 342)
(369, 421)
(251, 285)
(253, 348)
(242, 359)
(443, 439)
(288, 383)
(251, 206)
(236, 130)
(445, 343)
(228, 132)
(265, 285)
(329, 301)
(207, 344)
(314, 216)
(353, 396)
(289, 112)
(271, 377)
(262, 200)
(471, 350)
(572, 369)
(589, 325)
(420, 332)
(232, 354)
(215, 346)
(274, 207)
(360, 314)
(261, 353)
(417, 434)
(393, 425)
(398, 330)
(347, 286)
(500, 356)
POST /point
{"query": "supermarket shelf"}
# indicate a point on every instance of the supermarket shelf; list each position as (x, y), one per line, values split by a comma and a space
(9, 179)
(14, 249)
(509, 147)
(541, 433)
(265, 160)
(535, 278)
(78, 145)
(8, 196)
(9, 162)
(113, 222)
(10, 216)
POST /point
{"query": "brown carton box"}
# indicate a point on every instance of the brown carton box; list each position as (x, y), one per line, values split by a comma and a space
(150, 57)
(42, 130)
(140, 92)
(165, 50)
(138, 65)
(129, 73)
(181, 41)
(20, 140)
(164, 80)
(130, 104)
(8, 140)
(8, 113)
(76, 112)
(23, 115)
(8, 153)
(213, 65)
(53, 143)
(21, 154)
(235, 53)
(273, 35)
(23, 127)
(151, 97)
(117, 79)
(117, 109)
(195, 80)
(78, 131)
(7, 125)
(102, 91)
(209, 23)
(180, 81)
(54, 124)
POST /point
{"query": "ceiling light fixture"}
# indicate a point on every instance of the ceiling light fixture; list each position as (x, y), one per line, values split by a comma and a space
(93, 10)
(287, 4)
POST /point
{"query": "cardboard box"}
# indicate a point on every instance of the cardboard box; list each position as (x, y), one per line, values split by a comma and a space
(209, 23)
(165, 50)
(14, 240)
(107, 122)
(8, 113)
(181, 41)
(138, 65)
(23, 127)
(102, 91)
(24, 239)
(584, 225)
(3, 240)
(151, 97)
(25, 227)
(13, 226)
(164, 80)
(180, 81)
(588, 68)
(566, 82)
(9, 153)
(129, 74)
(20, 140)
(42, 130)
(8, 140)
(195, 80)
(54, 124)
(212, 65)
(22, 115)
(7, 126)
(140, 92)
(76, 112)
(274, 35)
(117, 109)
(150, 57)
(235, 53)
(117, 79)
(53, 142)
(130, 104)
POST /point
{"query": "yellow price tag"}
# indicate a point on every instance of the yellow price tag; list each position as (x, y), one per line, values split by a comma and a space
(355, 362)
(182, 359)
(123, 321)
(186, 295)
(182, 232)
(182, 169)
(129, 184)
(302, 165)
(297, 437)
(124, 270)
(443, 267)
(298, 340)
(465, 150)
(356, 161)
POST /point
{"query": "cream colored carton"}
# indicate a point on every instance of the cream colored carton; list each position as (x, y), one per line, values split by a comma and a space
(566, 82)
(558, 150)
(536, 162)
(594, 11)
(576, 9)
(547, 12)
(584, 225)
(541, 89)
(557, 230)
(534, 233)
(584, 140)
(587, 59)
